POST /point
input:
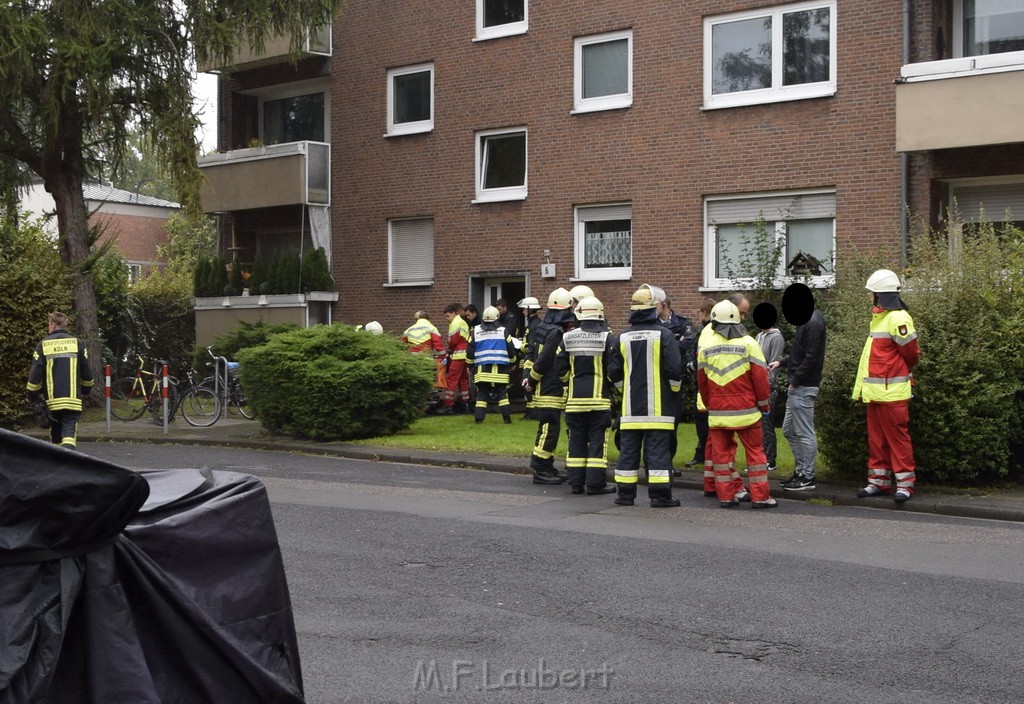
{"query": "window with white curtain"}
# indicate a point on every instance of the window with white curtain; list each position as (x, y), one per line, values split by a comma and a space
(411, 252)
(604, 71)
(604, 242)
(756, 239)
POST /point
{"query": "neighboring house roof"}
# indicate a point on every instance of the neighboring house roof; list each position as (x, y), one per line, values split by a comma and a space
(109, 194)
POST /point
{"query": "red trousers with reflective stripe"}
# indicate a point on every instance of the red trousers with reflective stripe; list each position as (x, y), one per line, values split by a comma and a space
(889, 450)
(722, 446)
(458, 382)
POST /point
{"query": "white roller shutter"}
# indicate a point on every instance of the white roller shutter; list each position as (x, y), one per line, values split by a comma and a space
(412, 251)
(783, 207)
(994, 200)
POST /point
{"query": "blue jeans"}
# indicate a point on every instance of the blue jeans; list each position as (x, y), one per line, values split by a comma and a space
(798, 427)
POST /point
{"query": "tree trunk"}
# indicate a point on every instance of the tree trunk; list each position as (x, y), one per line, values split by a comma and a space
(73, 226)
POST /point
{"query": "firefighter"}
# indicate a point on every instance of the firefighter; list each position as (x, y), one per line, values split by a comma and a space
(884, 383)
(586, 359)
(458, 374)
(548, 388)
(423, 337)
(491, 352)
(650, 370)
(733, 381)
(529, 307)
(61, 376)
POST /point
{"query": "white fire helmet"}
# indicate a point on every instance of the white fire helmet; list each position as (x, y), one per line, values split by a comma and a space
(530, 303)
(590, 308)
(579, 292)
(883, 281)
(373, 327)
(646, 297)
(490, 314)
(725, 312)
(559, 299)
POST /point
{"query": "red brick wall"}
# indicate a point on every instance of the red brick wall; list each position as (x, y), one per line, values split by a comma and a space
(663, 154)
(137, 237)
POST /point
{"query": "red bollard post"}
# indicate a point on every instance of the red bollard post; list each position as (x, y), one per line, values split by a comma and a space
(163, 394)
(106, 392)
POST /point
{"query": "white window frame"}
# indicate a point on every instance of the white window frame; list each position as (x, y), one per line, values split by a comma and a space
(292, 90)
(500, 30)
(582, 214)
(420, 281)
(605, 102)
(419, 126)
(777, 92)
(497, 195)
(712, 282)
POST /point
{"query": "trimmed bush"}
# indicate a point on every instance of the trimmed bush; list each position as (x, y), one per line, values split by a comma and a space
(244, 336)
(316, 271)
(335, 383)
(967, 300)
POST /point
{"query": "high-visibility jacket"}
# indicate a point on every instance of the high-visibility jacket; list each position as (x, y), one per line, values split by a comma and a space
(491, 352)
(60, 371)
(702, 341)
(550, 391)
(890, 352)
(458, 337)
(586, 359)
(733, 380)
(422, 336)
(650, 375)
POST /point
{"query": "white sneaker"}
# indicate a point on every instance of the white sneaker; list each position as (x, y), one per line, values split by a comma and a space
(869, 490)
(902, 495)
(742, 495)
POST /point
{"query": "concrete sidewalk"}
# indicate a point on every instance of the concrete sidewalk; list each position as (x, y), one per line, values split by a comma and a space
(1004, 505)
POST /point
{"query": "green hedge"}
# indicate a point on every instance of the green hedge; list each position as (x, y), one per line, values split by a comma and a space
(335, 383)
(33, 283)
(967, 301)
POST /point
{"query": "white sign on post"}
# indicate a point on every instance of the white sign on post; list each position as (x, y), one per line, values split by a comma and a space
(547, 271)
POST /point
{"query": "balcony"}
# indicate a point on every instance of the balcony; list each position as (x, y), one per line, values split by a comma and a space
(276, 50)
(969, 102)
(295, 173)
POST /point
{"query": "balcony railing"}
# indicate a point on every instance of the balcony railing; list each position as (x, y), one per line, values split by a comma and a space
(276, 50)
(294, 173)
(966, 102)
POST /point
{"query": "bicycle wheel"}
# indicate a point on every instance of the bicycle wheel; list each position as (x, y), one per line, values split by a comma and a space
(157, 404)
(241, 403)
(200, 407)
(127, 402)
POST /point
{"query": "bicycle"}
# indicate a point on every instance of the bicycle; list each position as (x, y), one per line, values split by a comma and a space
(130, 398)
(233, 393)
(198, 404)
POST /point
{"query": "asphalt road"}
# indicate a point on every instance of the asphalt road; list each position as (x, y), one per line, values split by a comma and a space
(427, 584)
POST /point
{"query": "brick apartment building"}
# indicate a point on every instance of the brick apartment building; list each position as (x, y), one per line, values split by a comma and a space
(621, 142)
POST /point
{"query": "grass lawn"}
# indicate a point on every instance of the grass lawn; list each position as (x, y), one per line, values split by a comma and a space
(461, 434)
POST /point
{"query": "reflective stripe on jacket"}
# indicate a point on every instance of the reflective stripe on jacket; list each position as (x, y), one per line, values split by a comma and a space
(61, 371)
(491, 352)
(422, 336)
(733, 380)
(458, 337)
(889, 354)
(586, 359)
(650, 376)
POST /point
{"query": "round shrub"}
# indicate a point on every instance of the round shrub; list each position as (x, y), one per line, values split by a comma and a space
(238, 338)
(333, 382)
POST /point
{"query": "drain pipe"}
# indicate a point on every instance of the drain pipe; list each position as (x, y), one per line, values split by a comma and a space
(904, 156)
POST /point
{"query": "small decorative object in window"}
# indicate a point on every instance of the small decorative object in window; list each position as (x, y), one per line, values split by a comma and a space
(804, 265)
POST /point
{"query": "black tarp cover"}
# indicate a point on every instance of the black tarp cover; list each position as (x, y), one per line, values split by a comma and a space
(153, 587)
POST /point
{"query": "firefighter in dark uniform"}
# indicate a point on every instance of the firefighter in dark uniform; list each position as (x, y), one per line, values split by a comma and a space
(529, 307)
(548, 389)
(490, 353)
(61, 376)
(586, 359)
(651, 375)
